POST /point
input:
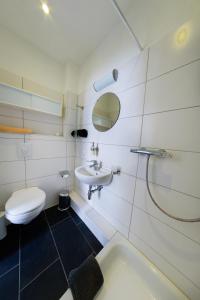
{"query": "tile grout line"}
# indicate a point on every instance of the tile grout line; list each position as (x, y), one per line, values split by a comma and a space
(175, 69)
(38, 275)
(56, 248)
(132, 206)
(59, 222)
(11, 269)
(84, 236)
(164, 258)
(152, 182)
(134, 146)
(166, 224)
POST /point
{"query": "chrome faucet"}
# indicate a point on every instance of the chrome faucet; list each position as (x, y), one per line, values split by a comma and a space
(97, 166)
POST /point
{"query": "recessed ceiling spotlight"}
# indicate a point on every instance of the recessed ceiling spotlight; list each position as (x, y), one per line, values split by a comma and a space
(45, 8)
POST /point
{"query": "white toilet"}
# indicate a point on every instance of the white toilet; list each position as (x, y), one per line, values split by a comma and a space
(25, 205)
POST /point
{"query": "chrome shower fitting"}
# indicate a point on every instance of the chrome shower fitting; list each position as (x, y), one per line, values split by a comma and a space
(91, 191)
(162, 154)
(159, 153)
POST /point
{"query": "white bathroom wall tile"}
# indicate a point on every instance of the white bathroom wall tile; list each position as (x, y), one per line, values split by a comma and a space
(132, 101)
(114, 156)
(177, 204)
(178, 130)
(11, 121)
(122, 186)
(41, 117)
(44, 167)
(70, 163)
(167, 55)
(83, 150)
(70, 100)
(71, 148)
(166, 268)
(67, 129)
(47, 148)
(111, 218)
(115, 206)
(85, 97)
(70, 116)
(43, 128)
(43, 137)
(125, 132)
(52, 185)
(180, 172)
(12, 172)
(7, 189)
(11, 136)
(10, 111)
(85, 115)
(93, 134)
(178, 250)
(9, 149)
(133, 72)
(174, 90)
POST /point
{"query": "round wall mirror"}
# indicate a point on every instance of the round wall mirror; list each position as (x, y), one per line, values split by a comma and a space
(106, 112)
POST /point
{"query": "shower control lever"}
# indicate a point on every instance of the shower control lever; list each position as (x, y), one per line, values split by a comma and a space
(159, 153)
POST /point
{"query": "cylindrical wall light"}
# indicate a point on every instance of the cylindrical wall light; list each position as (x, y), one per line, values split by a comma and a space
(106, 80)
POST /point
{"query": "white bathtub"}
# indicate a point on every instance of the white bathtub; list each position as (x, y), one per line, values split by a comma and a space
(129, 275)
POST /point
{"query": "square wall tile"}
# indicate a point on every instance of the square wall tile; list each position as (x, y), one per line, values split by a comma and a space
(125, 132)
(133, 72)
(132, 101)
(11, 121)
(178, 204)
(44, 167)
(114, 156)
(7, 189)
(44, 148)
(178, 130)
(166, 268)
(123, 186)
(43, 127)
(115, 207)
(177, 89)
(179, 172)
(13, 171)
(52, 185)
(9, 149)
(178, 250)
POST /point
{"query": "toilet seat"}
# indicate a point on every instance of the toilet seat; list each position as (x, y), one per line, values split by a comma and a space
(24, 205)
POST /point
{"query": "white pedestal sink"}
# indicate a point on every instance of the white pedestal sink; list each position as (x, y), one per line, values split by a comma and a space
(90, 176)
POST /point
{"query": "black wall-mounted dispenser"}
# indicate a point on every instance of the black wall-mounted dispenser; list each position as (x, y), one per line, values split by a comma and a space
(79, 133)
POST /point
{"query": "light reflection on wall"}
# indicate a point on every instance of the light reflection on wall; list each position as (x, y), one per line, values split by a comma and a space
(182, 36)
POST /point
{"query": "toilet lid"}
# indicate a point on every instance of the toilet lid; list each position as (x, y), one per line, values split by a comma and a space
(25, 200)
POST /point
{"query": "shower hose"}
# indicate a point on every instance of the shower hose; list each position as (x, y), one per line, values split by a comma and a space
(158, 206)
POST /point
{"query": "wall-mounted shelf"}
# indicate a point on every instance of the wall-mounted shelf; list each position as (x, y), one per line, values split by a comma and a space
(26, 94)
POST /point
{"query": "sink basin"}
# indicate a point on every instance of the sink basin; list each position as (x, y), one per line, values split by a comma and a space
(89, 176)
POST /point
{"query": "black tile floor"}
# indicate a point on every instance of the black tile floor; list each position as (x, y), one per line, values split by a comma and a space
(35, 259)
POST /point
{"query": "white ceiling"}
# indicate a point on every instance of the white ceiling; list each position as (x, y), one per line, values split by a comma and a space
(73, 30)
(76, 27)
